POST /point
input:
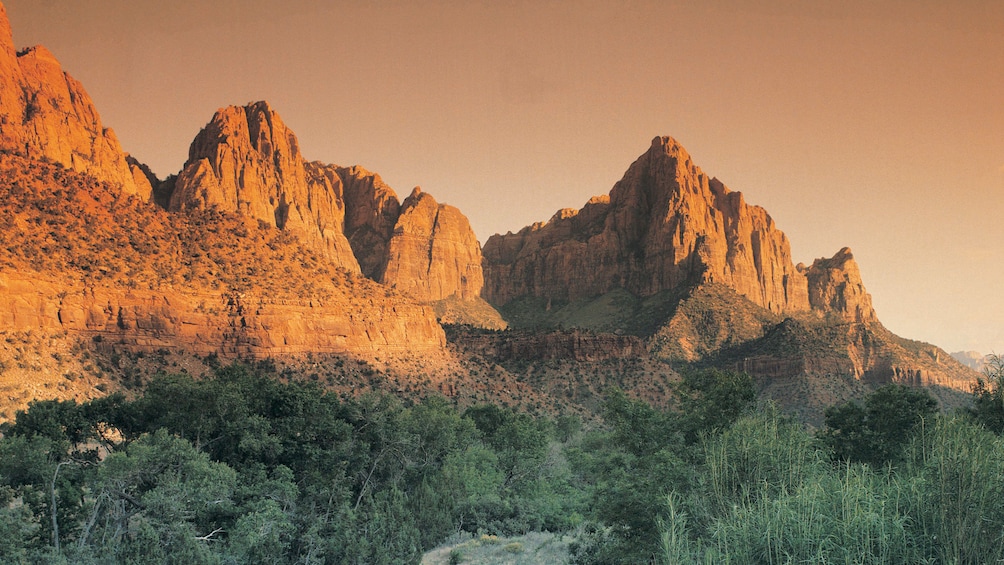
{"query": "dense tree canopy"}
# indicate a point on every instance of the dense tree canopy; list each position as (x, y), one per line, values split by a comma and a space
(244, 468)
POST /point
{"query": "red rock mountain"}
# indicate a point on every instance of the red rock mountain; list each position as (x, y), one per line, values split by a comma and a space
(45, 113)
(247, 161)
(666, 225)
(433, 253)
(835, 286)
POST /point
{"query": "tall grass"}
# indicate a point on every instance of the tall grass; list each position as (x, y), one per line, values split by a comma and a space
(956, 492)
(768, 496)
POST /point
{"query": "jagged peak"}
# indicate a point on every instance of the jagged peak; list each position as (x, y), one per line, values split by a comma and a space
(835, 286)
(666, 146)
(40, 52)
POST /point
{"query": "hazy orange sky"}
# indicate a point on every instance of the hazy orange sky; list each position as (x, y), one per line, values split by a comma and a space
(877, 125)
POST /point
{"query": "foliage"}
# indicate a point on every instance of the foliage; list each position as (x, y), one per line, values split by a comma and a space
(647, 455)
(243, 468)
(876, 432)
(988, 395)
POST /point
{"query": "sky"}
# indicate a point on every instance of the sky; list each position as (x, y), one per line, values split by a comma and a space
(872, 124)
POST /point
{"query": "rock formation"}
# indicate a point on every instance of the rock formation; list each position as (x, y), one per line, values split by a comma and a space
(47, 114)
(835, 287)
(664, 225)
(433, 253)
(203, 281)
(229, 324)
(247, 161)
(667, 226)
(372, 210)
(572, 345)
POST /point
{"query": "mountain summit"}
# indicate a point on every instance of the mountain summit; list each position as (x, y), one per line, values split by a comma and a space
(666, 225)
(45, 113)
(246, 161)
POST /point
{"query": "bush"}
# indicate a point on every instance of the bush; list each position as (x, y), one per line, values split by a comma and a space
(876, 432)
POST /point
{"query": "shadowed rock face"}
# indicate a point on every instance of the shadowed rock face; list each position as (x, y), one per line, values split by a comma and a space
(371, 212)
(45, 113)
(664, 225)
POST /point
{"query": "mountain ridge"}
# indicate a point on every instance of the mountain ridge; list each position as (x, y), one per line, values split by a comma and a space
(253, 251)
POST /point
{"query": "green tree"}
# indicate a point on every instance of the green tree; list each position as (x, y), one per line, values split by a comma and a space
(711, 400)
(988, 395)
(878, 431)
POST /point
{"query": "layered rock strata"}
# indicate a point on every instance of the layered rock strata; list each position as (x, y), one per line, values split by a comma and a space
(560, 345)
(229, 324)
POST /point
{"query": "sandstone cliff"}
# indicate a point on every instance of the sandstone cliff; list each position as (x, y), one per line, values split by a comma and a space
(46, 114)
(433, 253)
(665, 225)
(372, 210)
(835, 287)
(529, 346)
(247, 161)
(204, 281)
(230, 324)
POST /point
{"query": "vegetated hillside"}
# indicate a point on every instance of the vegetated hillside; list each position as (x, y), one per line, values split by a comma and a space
(81, 261)
(243, 467)
(673, 256)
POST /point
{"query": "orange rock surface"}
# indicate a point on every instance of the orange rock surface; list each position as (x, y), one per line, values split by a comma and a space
(664, 225)
(47, 114)
(248, 162)
(433, 253)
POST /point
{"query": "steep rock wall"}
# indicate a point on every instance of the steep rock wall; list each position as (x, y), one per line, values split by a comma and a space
(664, 225)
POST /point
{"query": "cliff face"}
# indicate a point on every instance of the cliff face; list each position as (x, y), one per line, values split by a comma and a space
(230, 324)
(560, 345)
(664, 225)
(202, 281)
(433, 253)
(372, 210)
(247, 161)
(835, 286)
(47, 114)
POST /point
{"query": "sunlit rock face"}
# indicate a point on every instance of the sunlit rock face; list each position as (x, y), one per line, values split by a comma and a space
(248, 162)
(46, 114)
(433, 253)
(664, 225)
(835, 286)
